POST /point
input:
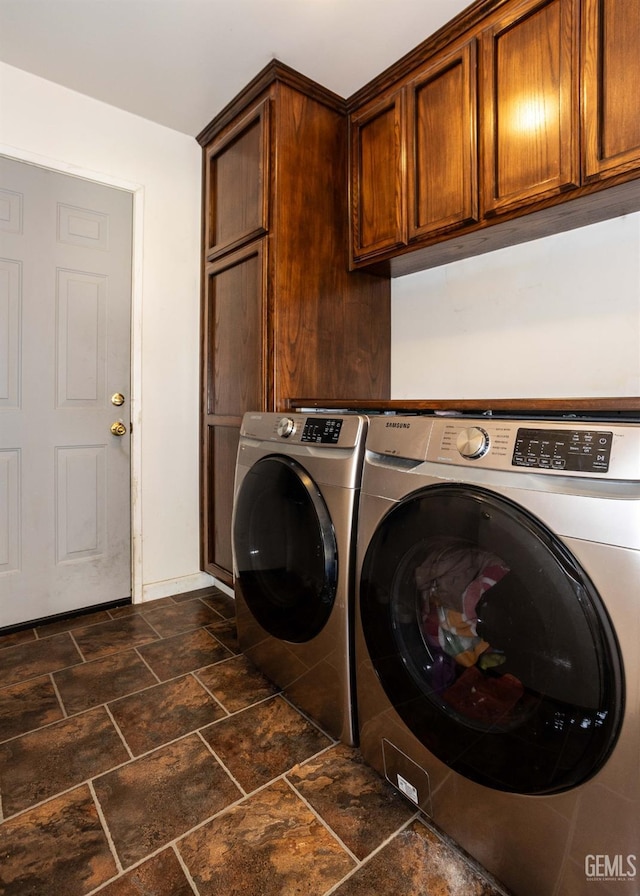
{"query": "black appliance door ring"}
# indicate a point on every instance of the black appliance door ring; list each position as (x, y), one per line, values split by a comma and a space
(285, 549)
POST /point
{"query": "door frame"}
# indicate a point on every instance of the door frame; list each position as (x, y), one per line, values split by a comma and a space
(137, 191)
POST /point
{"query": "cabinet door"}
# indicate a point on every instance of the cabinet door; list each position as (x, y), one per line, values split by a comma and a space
(377, 170)
(237, 183)
(530, 105)
(234, 381)
(610, 87)
(219, 461)
(442, 145)
(234, 328)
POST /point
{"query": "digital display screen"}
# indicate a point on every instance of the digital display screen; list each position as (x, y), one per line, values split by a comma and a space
(325, 430)
(577, 451)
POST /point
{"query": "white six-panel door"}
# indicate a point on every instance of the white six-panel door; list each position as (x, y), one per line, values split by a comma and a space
(65, 309)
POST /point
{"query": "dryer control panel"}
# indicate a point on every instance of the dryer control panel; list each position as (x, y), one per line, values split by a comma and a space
(306, 431)
(325, 430)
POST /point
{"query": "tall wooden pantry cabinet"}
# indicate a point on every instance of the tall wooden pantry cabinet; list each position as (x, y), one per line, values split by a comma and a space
(282, 316)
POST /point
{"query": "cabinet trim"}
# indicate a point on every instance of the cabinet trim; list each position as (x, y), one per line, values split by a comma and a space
(470, 18)
(272, 72)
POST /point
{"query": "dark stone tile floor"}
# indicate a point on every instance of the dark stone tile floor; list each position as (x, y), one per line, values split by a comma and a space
(142, 755)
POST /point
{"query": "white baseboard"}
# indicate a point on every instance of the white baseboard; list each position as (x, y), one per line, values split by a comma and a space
(169, 587)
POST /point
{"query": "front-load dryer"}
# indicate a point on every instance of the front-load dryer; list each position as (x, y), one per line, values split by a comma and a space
(294, 522)
(498, 640)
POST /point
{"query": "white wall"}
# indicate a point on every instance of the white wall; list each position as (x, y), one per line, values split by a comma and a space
(50, 125)
(556, 317)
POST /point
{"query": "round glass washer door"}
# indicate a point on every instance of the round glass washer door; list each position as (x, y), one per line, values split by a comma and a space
(490, 641)
(285, 549)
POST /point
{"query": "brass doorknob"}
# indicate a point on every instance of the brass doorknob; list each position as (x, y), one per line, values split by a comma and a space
(118, 428)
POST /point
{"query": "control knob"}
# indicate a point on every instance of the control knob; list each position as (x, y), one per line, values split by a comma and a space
(472, 442)
(285, 427)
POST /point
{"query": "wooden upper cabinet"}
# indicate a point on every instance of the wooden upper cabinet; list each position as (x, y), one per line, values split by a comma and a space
(377, 171)
(237, 183)
(442, 160)
(610, 87)
(529, 104)
(414, 157)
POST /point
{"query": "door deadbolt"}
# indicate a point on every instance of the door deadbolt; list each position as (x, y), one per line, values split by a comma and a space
(118, 428)
(117, 398)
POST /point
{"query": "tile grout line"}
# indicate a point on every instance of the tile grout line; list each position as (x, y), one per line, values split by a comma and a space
(218, 641)
(210, 693)
(319, 817)
(213, 609)
(245, 795)
(159, 636)
(185, 869)
(223, 765)
(374, 852)
(32, 677)
(65, 718)
(138, 654)
(19, 643)
(117, 767)
(77, 646)
(49, 799)
(105, 826)
(105, 703)
(65, 714)
(120, 733)
(230, 713)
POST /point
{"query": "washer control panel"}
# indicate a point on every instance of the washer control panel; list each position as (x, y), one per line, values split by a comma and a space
(580, 448)
(573, 450)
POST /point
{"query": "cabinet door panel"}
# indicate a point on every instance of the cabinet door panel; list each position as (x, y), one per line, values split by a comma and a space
(236, 183)
(441, 140)
(235, 328)
(377, 166)
(530, 105)
(611, 87)
(220, 450)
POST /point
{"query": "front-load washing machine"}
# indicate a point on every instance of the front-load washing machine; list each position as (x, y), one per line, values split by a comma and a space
(498, 640)
(294, 522)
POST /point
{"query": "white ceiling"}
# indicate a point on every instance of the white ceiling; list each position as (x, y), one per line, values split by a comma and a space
(179, 62)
